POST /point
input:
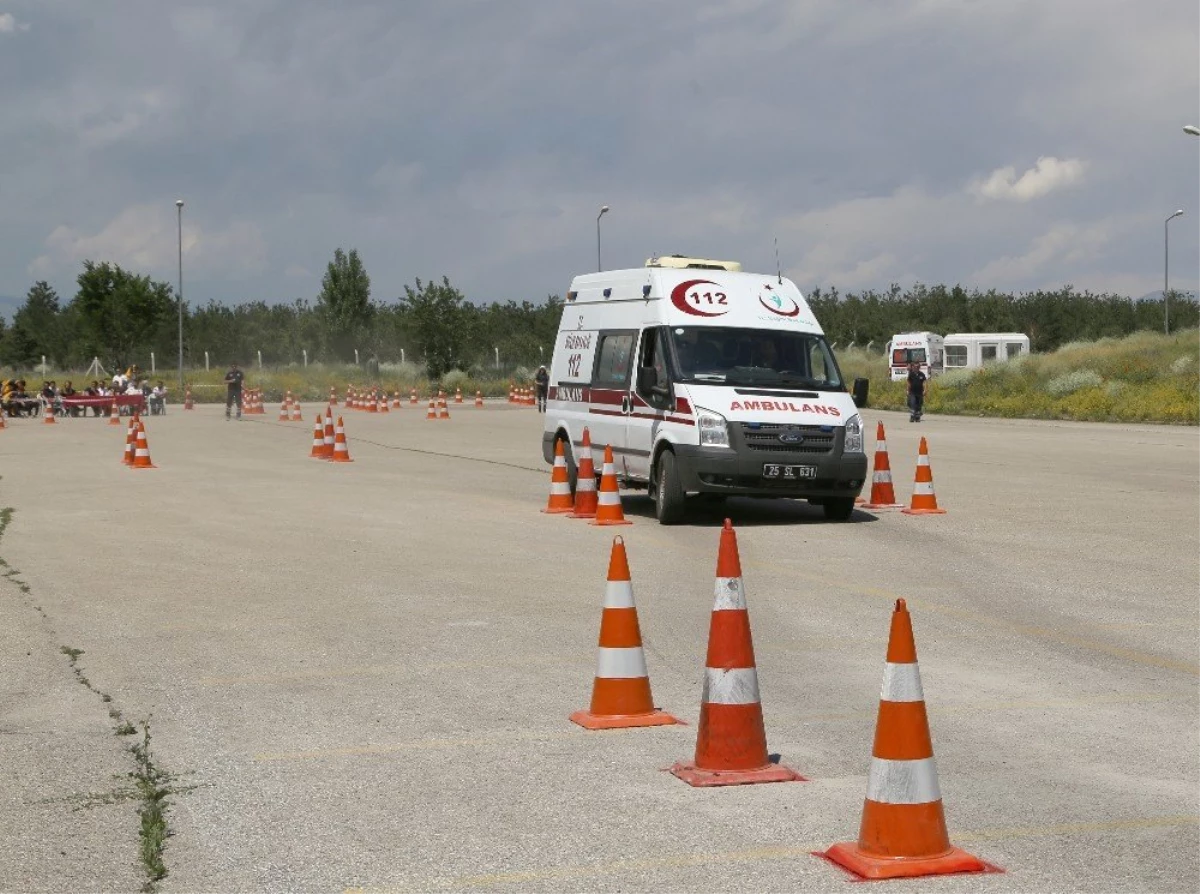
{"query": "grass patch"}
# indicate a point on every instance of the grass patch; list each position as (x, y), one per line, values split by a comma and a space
(1144, 377)
(153, 786)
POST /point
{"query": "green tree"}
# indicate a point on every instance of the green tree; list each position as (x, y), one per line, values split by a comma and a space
(119, 313)
(345, 302)
(36, 329)
(440, 322)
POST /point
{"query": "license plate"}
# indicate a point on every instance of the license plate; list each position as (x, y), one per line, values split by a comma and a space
(777, 472)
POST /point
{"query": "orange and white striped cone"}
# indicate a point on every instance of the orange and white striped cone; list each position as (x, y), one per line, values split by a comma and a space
(412, 397)
(443, 410)
(297, 416)
(188, 403)
(903, 831)
(284, 413)
(332, 396)
(621, 690)
(318, 444)
(349, 395)
(341, 450)
(373, 402)
(479, 399)
(731, 742)
(141, 452)
(608, 500)
(327, 438)
(383, 404)
(586, 498)
(288, 399)
(397, 404)
(924, 500)
(883, 496)
(48, 416)
(114, 414)
(458, 395)
(130, 441)
(432, 414)
(560, 484)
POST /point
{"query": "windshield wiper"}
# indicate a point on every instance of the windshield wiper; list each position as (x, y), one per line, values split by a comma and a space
(708, 377)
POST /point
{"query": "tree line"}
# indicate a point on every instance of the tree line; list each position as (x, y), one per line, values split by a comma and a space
(121, 317)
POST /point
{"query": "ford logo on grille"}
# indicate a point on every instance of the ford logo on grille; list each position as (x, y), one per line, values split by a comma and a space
(791, 437)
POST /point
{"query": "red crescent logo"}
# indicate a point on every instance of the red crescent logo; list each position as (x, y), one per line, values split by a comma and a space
(679, 298)
(794, 312)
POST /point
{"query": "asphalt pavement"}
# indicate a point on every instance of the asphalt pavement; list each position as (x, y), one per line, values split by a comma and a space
(358, 675)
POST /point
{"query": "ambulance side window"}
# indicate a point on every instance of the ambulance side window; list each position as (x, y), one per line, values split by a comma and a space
(613, 360)
(653, 356)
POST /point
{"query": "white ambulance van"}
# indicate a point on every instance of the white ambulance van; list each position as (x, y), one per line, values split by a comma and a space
(704, 380)
(924, 348)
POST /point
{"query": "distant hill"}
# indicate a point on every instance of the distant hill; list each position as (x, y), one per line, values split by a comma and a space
(1175, 293)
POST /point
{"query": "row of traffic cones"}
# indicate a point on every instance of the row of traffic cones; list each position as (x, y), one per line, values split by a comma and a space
(602, 505)
(329, 441)
(521, 396)
(903, 830)
(289, 409)
(883, 495)
(137, 448)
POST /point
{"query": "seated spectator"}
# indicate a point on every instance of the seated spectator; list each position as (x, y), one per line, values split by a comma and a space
(158, 399)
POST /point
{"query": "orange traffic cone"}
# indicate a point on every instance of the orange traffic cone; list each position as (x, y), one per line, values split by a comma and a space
(621, 690)
(924, 501)
(284, 415)
(586, 498)
(383, 404)
(130, 439)
(883, 496)
(332, 396)
(432, 414)
(48, 415)
(731, 743)
(297, 416)
(187, 398)
(341, 451)
(444, 410)
(560, 484)
(458, 395)
(396, 402)
(512, 394)
(608, 501)
(412, 397)
(327, 436)
(318, 442)
(478, 398)
(373, 402)
(903, 832)
(114, 414)
(141, 453)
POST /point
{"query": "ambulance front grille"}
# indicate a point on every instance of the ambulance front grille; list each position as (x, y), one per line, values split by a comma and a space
(764, 437)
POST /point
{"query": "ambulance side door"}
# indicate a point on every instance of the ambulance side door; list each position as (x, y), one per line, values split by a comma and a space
(649, 402)
(608, 396)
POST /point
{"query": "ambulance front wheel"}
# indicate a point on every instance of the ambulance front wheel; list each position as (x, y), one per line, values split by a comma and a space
(668, 491)
(839, 509)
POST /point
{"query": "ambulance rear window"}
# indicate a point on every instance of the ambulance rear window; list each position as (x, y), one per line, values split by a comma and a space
(905, 356)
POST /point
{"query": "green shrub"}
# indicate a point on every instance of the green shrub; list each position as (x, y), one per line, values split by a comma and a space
(1069, 383)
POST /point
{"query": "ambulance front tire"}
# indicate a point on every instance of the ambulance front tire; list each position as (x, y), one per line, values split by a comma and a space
(668, 490)
(572, 470)
(839, 509)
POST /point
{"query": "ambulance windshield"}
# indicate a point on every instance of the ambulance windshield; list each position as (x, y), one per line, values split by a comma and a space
(763, 357)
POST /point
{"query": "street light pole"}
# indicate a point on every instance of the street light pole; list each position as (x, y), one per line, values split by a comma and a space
(179, 215)
(1166, 269)
(603, 211)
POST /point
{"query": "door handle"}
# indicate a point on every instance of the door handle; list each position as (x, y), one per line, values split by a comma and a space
(626, 405)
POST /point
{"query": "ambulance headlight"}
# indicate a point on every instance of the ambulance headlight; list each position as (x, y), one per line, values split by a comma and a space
(854, 435)
(714, 430)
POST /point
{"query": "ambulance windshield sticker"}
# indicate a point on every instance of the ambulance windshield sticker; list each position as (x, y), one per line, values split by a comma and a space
(777, 303)
(700, 298)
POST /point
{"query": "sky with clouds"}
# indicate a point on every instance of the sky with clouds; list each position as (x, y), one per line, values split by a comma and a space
(1002, 144)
